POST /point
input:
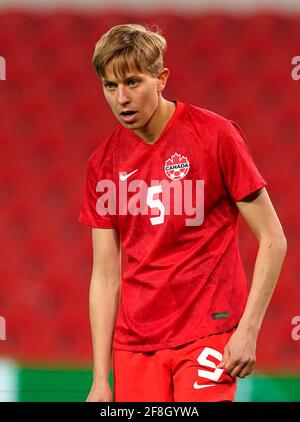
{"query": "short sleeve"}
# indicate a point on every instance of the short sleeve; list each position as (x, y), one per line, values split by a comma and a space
(239, 172)
(88, 213)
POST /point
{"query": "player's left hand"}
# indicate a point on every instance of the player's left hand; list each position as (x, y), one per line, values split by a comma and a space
(240, 353)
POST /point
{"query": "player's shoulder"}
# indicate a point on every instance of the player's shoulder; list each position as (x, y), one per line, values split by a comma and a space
(215, 124)
(209, 118)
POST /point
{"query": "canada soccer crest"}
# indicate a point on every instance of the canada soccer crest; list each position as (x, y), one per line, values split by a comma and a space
(177, 166)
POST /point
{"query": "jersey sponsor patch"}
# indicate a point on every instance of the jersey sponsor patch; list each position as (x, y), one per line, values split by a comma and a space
(220, 315)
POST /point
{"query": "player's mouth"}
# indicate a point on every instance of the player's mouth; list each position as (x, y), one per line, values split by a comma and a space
(128, 115)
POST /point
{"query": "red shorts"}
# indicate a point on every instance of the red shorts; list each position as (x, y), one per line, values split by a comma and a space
(183, 373)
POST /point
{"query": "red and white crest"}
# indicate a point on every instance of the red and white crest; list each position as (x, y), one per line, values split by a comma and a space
(177, 166)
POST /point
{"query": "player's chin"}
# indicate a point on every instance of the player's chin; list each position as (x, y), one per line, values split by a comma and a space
(132, 125)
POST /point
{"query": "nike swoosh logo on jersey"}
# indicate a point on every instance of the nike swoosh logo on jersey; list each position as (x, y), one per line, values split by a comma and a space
(197, 386)
(124, 177)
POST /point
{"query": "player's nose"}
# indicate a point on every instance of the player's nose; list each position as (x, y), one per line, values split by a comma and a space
(122, 95)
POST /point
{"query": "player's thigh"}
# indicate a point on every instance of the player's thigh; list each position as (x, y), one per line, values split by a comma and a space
(140, 376)
(196, 376)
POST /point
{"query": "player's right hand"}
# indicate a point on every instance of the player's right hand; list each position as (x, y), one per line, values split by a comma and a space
(100, 392)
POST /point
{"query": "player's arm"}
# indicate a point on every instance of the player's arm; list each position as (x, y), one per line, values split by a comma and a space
(104, 303)
(259, 214)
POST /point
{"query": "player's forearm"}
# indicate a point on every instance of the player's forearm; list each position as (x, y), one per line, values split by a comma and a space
(270, 257)
(104, 303)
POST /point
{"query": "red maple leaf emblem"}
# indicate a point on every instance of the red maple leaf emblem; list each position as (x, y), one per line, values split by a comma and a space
(176, 159)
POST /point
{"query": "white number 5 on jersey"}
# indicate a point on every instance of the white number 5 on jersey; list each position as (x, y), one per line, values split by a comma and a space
(156, 203)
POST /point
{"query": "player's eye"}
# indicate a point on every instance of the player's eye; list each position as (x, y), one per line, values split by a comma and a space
(132, 82)
(109, 85)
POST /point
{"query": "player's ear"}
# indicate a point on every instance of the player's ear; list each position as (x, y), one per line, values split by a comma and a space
(162, 78)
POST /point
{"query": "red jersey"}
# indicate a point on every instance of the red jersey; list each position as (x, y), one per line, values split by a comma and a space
(173, 203)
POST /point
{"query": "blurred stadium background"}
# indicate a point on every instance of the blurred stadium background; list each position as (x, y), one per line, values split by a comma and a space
(233, 57)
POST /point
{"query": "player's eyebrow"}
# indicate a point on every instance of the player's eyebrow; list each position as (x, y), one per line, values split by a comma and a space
(125, 80)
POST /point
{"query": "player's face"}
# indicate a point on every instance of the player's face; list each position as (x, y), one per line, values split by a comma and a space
(135, 98)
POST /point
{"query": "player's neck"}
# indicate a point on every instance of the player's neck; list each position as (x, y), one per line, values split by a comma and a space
(160, 118)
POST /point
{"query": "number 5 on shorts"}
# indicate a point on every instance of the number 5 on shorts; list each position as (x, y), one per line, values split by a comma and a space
(203, 361)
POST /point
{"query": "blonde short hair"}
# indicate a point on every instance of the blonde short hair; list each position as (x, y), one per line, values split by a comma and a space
(129, 46)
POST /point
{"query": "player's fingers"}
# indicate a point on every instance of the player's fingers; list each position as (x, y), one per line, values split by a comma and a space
(236, 370)
(246, 370)
(224, 359)
(231, 364)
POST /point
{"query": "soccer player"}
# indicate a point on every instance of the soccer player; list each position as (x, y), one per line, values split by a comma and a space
(169, 306)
